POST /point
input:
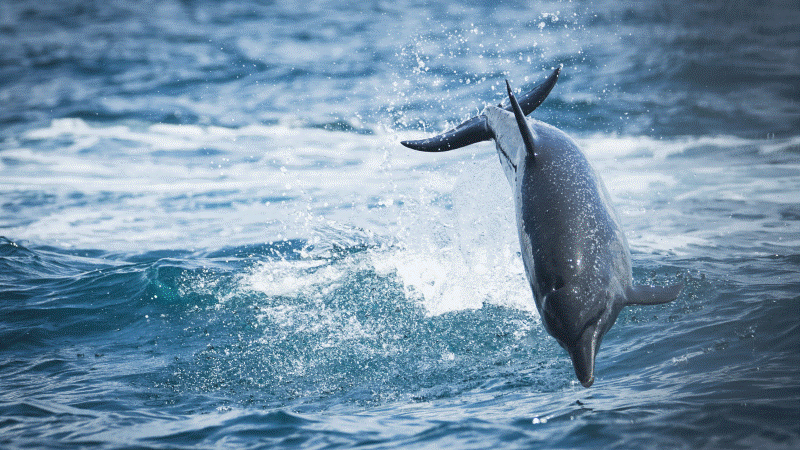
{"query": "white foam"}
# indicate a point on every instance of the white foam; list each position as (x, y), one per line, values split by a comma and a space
(467, 256)
(294, 277)
(131, 188)
(269, 182)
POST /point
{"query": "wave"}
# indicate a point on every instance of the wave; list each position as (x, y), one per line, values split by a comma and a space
(280, 324)
(144, 187)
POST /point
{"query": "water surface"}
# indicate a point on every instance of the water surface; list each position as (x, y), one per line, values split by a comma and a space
(212, 237)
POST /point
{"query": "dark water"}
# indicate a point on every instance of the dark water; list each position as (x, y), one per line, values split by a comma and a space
(212, 237)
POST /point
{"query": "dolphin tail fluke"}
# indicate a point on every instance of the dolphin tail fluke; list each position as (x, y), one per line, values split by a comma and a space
(530, 101)
(476, 129)
(652, 295)
(470, 132)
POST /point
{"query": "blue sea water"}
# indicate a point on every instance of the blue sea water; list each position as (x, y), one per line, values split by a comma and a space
(212, 237)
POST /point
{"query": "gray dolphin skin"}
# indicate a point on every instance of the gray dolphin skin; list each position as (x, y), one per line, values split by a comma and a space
(575, 254)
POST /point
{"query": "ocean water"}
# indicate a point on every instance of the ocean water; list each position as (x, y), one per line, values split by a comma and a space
(212, 238)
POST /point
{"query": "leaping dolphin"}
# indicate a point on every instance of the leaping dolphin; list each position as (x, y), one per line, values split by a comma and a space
(575, 254)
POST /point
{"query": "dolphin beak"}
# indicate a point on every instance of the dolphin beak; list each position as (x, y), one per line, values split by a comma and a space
(582, 356)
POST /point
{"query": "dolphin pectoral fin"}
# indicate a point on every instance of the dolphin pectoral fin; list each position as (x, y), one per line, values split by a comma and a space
(652, 295)
(470, 132)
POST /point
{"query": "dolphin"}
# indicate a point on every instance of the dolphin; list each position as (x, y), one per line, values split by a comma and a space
(575, 254)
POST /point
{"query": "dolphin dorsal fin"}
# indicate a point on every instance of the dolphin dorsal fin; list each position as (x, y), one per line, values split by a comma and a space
(652, 295)
(527, 136)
